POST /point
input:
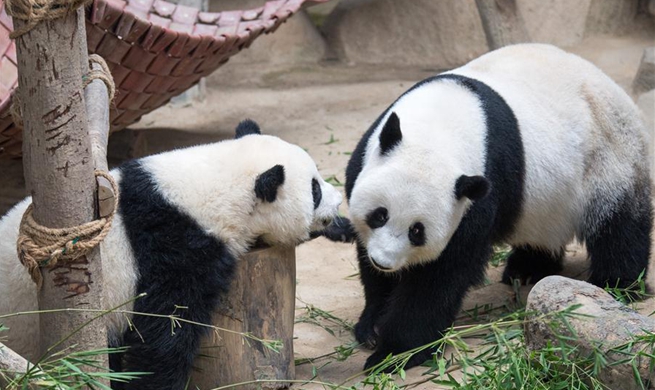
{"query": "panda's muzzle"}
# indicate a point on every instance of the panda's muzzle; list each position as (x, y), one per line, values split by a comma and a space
(378, 266)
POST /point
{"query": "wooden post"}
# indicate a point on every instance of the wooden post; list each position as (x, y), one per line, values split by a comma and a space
(59, 169)
(12, 365)
(261, 301)
(502, 23)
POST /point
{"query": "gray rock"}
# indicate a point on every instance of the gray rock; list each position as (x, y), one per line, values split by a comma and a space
(558, 22)
(645, 78)
(426, 33)
(609, 324)
(613, 17)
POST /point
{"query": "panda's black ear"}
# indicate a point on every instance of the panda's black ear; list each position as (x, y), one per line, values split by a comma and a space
(246, 127)
(391, 134)
(472, 187)
(267, 183)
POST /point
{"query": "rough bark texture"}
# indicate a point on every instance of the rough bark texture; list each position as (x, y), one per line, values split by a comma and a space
(611, 324)
(59, 169)
(261, 301)
(502, 23)
(97, 109)
(645, 79)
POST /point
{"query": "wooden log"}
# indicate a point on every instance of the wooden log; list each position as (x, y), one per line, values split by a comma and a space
(59, 171)
(12, 365)
(96, 97)
(502, 23)
(261, 301)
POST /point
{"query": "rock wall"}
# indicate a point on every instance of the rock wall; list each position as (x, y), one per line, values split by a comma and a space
(427, 33)
(447, 33)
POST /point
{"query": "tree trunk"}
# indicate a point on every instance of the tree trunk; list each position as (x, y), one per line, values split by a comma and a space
(261, 301)
(502, 23)
(59, 170)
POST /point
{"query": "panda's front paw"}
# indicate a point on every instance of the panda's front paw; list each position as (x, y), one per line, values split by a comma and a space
(380, 356)
(529, 265)
(339, 230)
(365, 333)
(375, 359)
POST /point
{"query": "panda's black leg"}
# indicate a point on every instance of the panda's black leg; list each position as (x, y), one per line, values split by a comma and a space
(116, 365)
(426, 301)
(377, 288)
(530, 265)
(620, 245)
(163, 349)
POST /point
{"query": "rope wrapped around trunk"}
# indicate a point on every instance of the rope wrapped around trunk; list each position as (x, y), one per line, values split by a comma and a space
(41, 246)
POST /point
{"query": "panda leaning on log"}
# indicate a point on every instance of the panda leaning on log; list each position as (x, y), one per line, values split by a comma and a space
(526, 145)
(183, 220)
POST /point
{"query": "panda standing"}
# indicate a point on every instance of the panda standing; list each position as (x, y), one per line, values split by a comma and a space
(527, 145)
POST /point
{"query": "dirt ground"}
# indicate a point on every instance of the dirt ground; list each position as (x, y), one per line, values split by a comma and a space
(325, 109)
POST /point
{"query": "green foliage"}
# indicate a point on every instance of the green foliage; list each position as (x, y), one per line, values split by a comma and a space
(334, 181)
(331, 140)
(636, 291)
(324, 319)
(500, 255)
(77, 370)
(501, 360)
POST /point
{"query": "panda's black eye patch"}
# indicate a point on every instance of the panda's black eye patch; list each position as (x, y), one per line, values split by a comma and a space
(377, 218)
(417, 234)
(317, 194)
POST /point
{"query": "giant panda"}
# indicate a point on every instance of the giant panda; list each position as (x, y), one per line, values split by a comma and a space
(184, 218)
(527, 145)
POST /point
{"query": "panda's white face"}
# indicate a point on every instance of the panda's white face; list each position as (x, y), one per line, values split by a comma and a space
(410, 196)
(254, 187)
(408, 222)
(303, 203)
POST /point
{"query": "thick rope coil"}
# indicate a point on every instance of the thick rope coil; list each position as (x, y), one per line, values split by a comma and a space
(96, 74)
(40, 246)
(93, 74)
(34, 12)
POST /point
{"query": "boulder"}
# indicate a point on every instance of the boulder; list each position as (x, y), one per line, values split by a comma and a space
(424, 33)
(606, 322)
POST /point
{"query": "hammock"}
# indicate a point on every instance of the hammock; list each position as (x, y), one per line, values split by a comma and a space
(155, 50)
